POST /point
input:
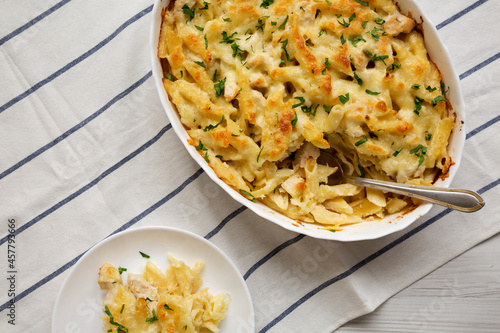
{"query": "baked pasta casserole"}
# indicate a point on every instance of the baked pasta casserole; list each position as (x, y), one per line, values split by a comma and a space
(263, 87)
(155, 302)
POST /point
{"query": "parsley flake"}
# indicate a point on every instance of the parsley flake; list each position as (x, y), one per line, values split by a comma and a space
(144, 255)
(364, 3)
(302, 101)
(360, 142)
(152, 319)
(358, 79)
(344, 98)
(188, 11)
(219, 87)
(438, 99)
(211, 127)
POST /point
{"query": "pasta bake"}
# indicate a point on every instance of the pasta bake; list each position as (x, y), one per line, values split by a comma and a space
(264, 87)
(155, 302)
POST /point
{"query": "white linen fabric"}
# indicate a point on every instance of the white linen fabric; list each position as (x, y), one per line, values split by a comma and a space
(86, 151)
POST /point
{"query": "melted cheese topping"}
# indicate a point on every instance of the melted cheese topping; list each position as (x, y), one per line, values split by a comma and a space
(155, 302)
(263, 86)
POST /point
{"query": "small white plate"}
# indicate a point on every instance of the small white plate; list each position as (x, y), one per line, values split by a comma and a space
(78, 305)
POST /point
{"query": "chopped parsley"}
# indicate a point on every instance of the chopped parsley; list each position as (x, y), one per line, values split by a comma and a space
(360, 142)
(397, 152)
(309, 109)
(123, 307)
(418, 105)
(206, 41)
(144, 255)
(428, 137)
(200, 63)
(344, 98)
(211, 127)
(364, 24)
(346, 24)
(113, 322)
(248, 194)
(189, 12)
(393, 67)
(260, 152)
(170, 77)
(227, 39)
(261, 25)
(438, 99)
(356, 40)
(198, 27)
(369, 92)
(294, 121)
(219, 87)
(167, 307)
(302, 101)
(327, 109)
(206, 157)
(200, 146)
(374, 33)
(380, 58)
(227, 19)
(121, 269)
(342, 39)
(284, 24)
(266, 3)
(284, 43)
(430, 89)
(205, 7)
(379, 21)
(443, 88)
(358, 79)
(361, 171)
(364, 3)
(185, 327)
(327, 64)
(415, 86)
(419, 151)
(152, 319)
(237, 51)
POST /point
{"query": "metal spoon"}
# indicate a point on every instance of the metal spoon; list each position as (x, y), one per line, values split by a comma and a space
(462, 200)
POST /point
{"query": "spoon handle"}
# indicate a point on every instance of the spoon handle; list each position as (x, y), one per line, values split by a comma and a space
(462, 200)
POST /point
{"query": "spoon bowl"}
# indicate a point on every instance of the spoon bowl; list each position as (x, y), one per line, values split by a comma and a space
(457, 199)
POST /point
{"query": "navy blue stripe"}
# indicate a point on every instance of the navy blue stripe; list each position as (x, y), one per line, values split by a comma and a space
(225, 221)
(76, 127)
(367, 260)
(460, 14)
(125, 226)
(159, 203)
(76, 61)
(479, 66)
(482, 127)
(272, 254)
(89, 185)
(33, 21)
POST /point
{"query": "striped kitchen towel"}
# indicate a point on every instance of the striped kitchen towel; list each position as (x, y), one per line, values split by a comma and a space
(86, 151)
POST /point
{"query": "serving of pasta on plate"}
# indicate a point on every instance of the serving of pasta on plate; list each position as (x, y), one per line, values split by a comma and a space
(263, 87)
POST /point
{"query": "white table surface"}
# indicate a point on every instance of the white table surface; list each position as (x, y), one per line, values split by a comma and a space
(461, 296)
